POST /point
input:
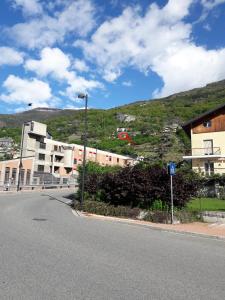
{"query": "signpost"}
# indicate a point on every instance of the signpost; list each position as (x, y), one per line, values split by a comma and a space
(172, 172)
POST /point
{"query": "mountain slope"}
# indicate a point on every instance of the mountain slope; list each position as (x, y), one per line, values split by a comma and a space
(154, 125)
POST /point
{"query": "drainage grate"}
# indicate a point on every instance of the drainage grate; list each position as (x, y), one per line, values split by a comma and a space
(39, 219)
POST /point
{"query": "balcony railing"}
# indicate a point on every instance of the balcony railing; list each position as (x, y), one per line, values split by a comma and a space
(204, 151)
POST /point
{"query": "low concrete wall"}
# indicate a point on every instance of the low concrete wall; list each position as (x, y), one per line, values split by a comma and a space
(37, 187)
(213, 216)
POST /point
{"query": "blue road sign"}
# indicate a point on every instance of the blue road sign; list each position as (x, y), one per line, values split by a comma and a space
(172, 168)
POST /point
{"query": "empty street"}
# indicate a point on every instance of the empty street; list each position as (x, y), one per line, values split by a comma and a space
(46, 252)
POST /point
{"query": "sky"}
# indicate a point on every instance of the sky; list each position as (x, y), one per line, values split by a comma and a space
(116, 51)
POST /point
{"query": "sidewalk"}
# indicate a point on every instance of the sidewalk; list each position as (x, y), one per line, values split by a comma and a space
(214, 230)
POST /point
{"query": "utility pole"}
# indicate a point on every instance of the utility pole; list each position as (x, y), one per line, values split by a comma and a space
(85, 97)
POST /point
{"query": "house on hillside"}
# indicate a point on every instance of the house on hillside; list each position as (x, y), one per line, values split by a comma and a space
(207, 133)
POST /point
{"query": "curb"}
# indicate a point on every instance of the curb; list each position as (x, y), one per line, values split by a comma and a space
(133, 223)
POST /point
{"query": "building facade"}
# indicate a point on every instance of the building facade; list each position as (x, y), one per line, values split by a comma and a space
(9, 171)
(53, 161)
(207, 133)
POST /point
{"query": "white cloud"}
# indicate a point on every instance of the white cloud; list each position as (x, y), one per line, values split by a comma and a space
(127, 83)
(130, 39)
(158, 40)
(69, 106)
(23, 91)
(80, 65)
(54, 62)
(9, 56)
(76, 18)
(29, 7)
(210, 4)
(188, 68)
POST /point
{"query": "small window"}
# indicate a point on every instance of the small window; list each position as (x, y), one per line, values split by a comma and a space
(42, 145)
(41, 156)
(41, 168)
(55, 148)
(118, 160)
(209, 168)
(14, 172)
(75, 161)
(207, 124)
(32, 126)
(28, 177)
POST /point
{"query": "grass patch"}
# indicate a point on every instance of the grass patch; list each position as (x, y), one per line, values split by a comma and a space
(201, 204)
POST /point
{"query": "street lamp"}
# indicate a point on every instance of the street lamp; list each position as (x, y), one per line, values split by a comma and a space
(84, 97)
(21, 151)
(21, 155)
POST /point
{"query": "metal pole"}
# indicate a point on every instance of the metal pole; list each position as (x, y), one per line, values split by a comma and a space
(21, 158)
(84, 152)
(171, 188)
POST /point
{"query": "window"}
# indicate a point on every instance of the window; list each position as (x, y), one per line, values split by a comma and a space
(28, 177)
(209, 168)
(110, 158)
(118, 160)
(7, 171)
(41, 156)
(75, 161)
(207, 124)
(55, 148)
(14, 172)
(22, 173)
(41, 168)
(65, 180)
(42, 145)
(208, 147)
(32, 126)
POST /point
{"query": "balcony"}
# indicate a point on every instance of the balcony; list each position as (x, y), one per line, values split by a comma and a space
(203, 153)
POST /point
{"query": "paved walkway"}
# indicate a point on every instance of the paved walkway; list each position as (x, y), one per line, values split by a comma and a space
(216, 230)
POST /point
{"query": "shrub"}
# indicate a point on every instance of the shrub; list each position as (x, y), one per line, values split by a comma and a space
(140, 186)
(165, 217)
(105, 209)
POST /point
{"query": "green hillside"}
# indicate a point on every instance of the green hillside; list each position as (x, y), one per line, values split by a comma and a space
(154, 124)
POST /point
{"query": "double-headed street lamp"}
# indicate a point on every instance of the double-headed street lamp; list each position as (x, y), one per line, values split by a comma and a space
(84, 97)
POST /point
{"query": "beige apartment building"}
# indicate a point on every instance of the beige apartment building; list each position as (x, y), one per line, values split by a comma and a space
(47, 160)
(207, 133)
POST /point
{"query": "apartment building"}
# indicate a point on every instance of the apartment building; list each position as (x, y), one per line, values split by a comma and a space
(53, 161)
(207, 133)
(9, 171)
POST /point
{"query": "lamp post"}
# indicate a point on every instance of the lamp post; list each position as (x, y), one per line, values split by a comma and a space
(21, 151)
(21, 156)
(84, 97)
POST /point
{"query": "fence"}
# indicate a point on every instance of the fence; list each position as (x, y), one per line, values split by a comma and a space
(40, 181)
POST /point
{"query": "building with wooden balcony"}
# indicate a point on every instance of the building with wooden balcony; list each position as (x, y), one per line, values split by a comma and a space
(207, 133)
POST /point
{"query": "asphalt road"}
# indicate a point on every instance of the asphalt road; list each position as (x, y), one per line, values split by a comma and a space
(48, 253)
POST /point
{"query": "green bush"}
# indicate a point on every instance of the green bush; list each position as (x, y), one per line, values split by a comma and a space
(105, 209)
(143, 186)
(165, 217)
